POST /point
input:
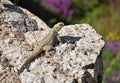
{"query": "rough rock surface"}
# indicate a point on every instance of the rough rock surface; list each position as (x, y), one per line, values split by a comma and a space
(77, 60)
(20, 18)
(20, 22)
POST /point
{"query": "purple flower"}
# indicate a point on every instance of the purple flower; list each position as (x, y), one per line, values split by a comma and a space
(119, 10)
(101, 18)
(105, 63)
(115, 4)
(56, 2)
(108, 79)
(59, 6)
(116, 76)
(112, 2)
(113, 45)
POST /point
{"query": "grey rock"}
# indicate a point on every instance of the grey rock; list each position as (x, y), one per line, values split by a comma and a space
(70, 62)
(77, 60)
(20, 22)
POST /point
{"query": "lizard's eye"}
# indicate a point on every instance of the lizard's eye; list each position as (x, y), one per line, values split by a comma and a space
(61, 24)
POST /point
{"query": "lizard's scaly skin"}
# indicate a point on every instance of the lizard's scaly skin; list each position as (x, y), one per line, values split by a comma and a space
(44, 44)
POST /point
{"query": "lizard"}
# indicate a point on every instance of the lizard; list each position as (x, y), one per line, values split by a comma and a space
(46, 44)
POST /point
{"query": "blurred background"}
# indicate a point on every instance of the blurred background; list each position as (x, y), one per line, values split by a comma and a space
(103, 15)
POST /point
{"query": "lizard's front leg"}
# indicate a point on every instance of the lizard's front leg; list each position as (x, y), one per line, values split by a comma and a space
(47, 49)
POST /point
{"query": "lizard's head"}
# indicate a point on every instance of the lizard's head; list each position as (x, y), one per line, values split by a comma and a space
(58, 26)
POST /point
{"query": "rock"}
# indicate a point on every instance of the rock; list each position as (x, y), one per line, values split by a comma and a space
(77, 60)
(20, 18)
(8, 77)
(40, 23)
(18, 21)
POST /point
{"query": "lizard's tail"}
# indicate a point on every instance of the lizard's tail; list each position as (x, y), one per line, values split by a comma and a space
(23, 66)
(31, 58)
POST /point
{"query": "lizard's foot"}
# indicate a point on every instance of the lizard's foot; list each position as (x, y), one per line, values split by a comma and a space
(27, 46)
(48, 51)
(49, 54)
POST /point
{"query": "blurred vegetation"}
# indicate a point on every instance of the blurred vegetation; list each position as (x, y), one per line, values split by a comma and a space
(103, 15)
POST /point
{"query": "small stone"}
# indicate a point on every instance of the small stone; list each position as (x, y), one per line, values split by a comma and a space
(3, 59)
(10, 41)
(1, 52)
(12, 35)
